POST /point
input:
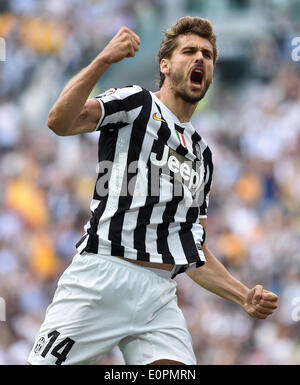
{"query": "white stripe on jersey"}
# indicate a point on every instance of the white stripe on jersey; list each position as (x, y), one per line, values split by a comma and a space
(175, 245)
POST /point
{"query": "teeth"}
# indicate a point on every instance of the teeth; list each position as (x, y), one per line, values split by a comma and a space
(199, 71)
(197, 78)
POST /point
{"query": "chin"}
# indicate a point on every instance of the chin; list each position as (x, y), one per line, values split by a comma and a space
(191, 98)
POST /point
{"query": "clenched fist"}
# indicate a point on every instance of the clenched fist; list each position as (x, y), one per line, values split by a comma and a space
(260, 303)
(124, 44)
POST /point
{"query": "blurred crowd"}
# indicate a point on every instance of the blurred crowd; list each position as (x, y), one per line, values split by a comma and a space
(253, 129)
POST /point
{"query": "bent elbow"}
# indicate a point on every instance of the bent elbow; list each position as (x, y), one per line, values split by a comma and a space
(54, 125)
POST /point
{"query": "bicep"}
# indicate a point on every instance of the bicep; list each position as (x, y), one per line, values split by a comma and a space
(88, 118)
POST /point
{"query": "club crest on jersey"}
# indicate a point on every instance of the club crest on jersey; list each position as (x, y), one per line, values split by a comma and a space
(39, 345)
(108, 92)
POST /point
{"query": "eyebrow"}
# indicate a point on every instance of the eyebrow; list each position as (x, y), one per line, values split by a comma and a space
(193, 48)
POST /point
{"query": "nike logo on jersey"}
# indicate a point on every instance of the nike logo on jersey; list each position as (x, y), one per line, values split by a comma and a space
(157, 118)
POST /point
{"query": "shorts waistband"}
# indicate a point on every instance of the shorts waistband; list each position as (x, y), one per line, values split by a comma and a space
(160, 272)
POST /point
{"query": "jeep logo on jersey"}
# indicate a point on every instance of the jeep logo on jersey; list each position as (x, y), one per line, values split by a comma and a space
(165, 174)
(185, 171)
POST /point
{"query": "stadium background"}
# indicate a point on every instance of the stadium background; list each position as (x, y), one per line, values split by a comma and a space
(250, 119)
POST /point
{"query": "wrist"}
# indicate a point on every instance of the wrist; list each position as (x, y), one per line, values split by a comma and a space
(103, 60)
(242, 296)
(236, 292)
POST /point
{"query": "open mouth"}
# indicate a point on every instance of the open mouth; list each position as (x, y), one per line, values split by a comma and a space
(197, 75)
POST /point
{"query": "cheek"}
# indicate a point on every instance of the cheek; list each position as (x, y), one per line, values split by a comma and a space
(179, 73)
(210, 73)
(178, 78)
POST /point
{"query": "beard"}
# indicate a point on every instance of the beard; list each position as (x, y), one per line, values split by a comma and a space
(177, 85)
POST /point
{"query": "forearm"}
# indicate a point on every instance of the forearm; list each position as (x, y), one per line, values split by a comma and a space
(72, 113)
(214, 277)
(73, 97)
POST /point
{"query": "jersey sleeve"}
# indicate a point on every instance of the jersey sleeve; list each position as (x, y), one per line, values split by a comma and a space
(207, 183)
(203, 207)
(119, 107)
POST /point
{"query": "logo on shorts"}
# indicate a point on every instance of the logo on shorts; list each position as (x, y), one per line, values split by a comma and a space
(39, 345)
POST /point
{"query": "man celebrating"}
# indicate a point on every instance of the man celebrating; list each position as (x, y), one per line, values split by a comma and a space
(119, 289)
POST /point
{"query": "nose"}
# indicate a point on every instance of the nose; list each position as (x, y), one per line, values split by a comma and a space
(199, 57)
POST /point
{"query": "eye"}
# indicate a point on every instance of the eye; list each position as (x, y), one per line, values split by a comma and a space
(207, 54)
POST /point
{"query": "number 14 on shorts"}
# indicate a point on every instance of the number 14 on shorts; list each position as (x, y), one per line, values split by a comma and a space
(60, 351)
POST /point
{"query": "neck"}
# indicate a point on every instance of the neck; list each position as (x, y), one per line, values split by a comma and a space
(181, 109)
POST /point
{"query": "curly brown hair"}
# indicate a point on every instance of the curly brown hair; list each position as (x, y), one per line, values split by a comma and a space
(185, 25)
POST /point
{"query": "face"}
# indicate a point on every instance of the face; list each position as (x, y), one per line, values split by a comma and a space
(189, 71)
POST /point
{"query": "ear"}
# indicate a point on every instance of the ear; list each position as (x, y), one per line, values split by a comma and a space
(165, 66)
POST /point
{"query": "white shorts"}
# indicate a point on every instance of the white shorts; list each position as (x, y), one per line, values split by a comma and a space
(102, 302)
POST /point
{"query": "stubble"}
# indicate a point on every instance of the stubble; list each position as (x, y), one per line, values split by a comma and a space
(178, 82)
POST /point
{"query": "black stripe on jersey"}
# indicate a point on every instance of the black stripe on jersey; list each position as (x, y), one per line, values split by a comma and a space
(164, 131)
(196, 138)
(163, 228)
(107, 148)
(81, 240)
(185, 233)
(143, 220)
(128, 104)
(187, 239)
(106, 153)
(178, 128)
(182, 150)
(113, 126)
(179, 269)
(138, 132)
(207, 156)
(203, 237)
(192, 215)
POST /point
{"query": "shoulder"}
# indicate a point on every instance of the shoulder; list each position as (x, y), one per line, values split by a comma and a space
(121, 93)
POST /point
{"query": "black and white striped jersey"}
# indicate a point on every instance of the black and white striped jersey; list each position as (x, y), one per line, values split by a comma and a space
(154, 178)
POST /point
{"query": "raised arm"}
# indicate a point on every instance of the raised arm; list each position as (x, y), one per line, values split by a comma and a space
(72, 113)
(213, 276)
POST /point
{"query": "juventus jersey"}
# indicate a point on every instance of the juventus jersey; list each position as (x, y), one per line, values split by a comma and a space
(154, 178)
